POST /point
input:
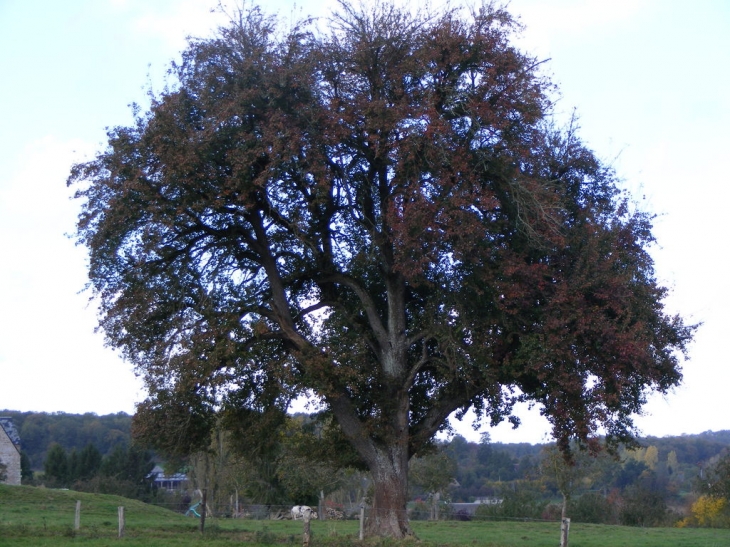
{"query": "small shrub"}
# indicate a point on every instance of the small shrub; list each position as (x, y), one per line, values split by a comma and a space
(521, 503)
(643, 507)
(708, 512)
(592, 508)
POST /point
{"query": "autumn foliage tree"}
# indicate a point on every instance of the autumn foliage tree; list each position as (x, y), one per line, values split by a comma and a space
(382, 216)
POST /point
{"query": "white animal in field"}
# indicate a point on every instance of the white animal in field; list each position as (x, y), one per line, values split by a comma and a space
(300, 511)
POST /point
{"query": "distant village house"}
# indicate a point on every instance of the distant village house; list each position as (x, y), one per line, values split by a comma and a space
(10, 451)
(176, 482)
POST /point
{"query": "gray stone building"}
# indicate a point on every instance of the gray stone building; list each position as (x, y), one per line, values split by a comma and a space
(10, 450)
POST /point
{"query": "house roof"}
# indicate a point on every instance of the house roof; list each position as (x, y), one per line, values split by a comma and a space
(9, 428)
(159, 474)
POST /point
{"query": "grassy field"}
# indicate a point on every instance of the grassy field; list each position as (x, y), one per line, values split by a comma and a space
(42, 517)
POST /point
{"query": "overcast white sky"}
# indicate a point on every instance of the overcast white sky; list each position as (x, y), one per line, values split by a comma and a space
(649, 80)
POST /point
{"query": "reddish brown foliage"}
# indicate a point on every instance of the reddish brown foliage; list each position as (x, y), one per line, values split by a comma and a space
(383, 216)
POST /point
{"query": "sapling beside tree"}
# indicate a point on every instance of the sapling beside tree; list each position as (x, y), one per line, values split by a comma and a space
(382, 216)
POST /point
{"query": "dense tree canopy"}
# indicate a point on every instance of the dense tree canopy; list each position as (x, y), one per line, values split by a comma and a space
(715, 481)
(39, 430)
(382, 216)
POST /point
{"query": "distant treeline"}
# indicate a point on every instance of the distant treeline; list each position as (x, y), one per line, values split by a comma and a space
(694, 449)
(481, 468)
(478, 464)
(39, 430)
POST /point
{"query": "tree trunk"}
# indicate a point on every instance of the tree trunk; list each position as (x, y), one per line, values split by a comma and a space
(388, 516)
(564, 521)
(385, 450)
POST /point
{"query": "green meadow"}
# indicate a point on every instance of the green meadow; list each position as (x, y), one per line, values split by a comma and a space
(35, 517)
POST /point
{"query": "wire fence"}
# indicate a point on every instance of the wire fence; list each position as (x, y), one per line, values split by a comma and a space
(103, 512)
(231, 509)
(65, 514)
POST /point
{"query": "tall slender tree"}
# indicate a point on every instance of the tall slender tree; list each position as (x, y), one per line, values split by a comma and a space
(381, 216)
(55, 467)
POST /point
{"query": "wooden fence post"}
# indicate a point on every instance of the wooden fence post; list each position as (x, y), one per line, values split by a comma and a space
(321, 510)
(120, 513)
(362, 521)
(204, 504)
(77, 518)
(307, 534)
(564, 529)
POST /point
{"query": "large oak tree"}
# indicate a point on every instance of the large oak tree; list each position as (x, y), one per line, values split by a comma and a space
(382, 216)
